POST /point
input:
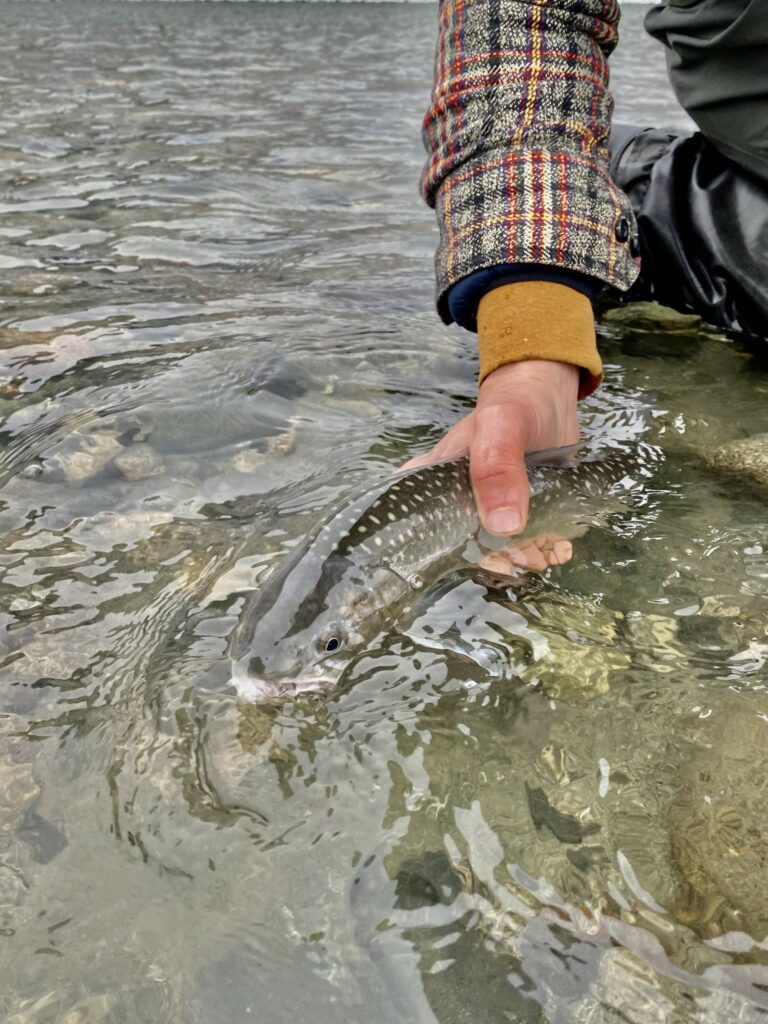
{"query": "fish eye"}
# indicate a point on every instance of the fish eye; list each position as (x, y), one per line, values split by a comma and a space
(332, 642)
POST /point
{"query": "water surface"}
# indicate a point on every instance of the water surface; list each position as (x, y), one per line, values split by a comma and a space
(216, 321)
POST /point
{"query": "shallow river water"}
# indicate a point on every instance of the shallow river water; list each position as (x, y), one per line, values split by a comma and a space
(216, 320)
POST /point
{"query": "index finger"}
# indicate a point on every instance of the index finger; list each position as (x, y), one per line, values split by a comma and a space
(454, 443)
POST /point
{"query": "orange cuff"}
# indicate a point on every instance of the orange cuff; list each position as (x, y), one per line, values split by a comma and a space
(538, 320)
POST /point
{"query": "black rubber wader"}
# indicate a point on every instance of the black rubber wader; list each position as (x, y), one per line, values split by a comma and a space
(701, 199)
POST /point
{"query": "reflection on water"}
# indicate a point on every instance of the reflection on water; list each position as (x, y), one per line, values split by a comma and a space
(538, 803)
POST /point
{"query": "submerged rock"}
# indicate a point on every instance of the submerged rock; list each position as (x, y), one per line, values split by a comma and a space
(11, 337)
(653, 640)
(83, 456)
(650, 316)
(91, 1010)
(139, 462)
(746, 458)
(718, 826)
(9, 387)
(582, 652)
(18, 789)
(250, 459)
(18, 785)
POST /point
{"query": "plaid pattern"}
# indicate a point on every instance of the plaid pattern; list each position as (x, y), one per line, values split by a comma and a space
(516, 132)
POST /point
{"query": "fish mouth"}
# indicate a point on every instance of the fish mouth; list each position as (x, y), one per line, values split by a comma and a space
(254, 690)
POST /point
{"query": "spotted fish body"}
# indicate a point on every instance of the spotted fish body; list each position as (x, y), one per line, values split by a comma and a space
(302, 626)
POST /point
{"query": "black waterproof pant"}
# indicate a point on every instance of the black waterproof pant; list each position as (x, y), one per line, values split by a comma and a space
(701, 199)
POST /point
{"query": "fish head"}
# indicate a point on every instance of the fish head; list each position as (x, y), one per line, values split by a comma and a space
(276, 666)
(297, 634)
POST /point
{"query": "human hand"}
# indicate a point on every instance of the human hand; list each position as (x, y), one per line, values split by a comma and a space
(522, 407)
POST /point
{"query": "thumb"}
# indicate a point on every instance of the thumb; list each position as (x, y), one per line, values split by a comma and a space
(497, 469)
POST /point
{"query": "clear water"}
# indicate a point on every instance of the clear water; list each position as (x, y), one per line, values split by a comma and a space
(217, 321)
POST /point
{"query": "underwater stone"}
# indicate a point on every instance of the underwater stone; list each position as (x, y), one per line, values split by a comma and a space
(18, 790)
(746, 458)
(90, 1011)
(650, 316)
(11, 337)
(139, 462)
(249, 460)
(354, 407)
(285, 442)
(582, 651)
(718, 828)
(89, 454)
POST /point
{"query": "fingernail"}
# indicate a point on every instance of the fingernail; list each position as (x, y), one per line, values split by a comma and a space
(504, 521)
(563, 551)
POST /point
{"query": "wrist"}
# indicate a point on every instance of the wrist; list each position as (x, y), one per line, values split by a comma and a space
(532, 374)
(535, 321)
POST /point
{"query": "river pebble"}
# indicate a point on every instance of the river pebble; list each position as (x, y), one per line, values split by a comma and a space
(139, 462)
(746, 458)
(84, 456)
(651, 316)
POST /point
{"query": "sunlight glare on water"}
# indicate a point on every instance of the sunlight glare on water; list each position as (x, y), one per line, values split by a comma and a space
(216, 322)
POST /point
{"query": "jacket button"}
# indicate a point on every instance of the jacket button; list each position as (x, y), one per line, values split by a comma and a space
(634, 246)
(622, 230)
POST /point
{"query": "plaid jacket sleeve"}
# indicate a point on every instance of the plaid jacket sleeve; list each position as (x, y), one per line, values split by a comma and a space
(516, 132)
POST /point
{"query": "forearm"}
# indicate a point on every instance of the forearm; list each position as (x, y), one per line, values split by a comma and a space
(517, 168)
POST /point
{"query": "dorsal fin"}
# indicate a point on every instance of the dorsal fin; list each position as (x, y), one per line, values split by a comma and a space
(563, 456)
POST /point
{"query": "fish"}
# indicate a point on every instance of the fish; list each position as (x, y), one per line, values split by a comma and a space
(315, 612)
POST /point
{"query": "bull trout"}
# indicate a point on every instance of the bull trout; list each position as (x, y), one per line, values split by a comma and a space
(299, 631)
